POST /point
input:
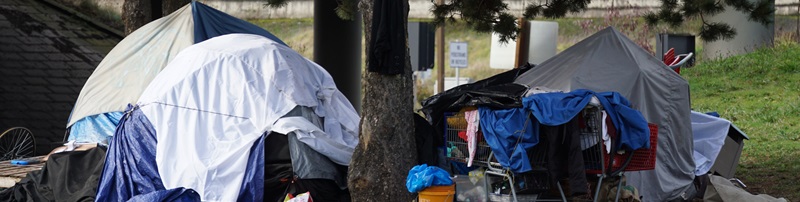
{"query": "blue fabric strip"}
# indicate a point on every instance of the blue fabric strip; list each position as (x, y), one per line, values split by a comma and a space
(210, 23)
(253, 183)
(509, 136)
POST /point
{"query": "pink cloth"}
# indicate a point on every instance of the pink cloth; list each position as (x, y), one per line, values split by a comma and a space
(472, 130)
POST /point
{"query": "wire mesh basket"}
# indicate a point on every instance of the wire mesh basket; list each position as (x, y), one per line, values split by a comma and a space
(458, 147)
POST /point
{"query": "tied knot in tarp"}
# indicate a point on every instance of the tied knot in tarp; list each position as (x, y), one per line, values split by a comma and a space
(424, 176)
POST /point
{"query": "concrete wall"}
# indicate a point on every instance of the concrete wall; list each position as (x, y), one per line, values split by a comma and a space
(749, 35)
(419, 8)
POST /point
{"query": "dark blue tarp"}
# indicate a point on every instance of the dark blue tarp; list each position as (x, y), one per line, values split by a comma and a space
(253, 183)
(210, 23)
(130, 168)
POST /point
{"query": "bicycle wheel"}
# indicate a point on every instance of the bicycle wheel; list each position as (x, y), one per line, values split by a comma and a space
(16, 143)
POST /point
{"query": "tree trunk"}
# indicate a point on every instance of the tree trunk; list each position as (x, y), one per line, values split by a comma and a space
(386, 150)
(135, 14)
(170, 6)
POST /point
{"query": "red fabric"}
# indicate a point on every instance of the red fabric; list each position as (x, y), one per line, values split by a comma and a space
(669, 57)
(462, 135)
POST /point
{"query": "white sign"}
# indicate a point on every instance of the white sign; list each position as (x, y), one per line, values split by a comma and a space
(542, 43)
(458, 54)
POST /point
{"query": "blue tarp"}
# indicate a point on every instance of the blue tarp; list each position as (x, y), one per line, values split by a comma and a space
(97, 128)
(558, 108)
(131, 173)
(210, 22)
(253, 183)
(509, 133)
(504, 128)
(130, 168)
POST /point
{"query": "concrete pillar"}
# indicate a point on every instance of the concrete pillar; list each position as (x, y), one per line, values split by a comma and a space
(337, 48)
(750, 35)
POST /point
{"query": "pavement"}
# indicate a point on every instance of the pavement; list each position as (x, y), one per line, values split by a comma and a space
(46, 55)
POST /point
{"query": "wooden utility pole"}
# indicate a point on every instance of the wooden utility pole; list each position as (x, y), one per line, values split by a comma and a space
(521, 55)
(440, 53)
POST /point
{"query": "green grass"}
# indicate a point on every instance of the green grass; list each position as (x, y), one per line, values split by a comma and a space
(297, 33)
(760, 93)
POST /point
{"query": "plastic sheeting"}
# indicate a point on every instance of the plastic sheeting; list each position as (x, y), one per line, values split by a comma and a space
(66, 177)
(609, 61)
(709, 136)
(96, 128)
(217, 98)
(130, 167)
(497, 91)
(126, 71)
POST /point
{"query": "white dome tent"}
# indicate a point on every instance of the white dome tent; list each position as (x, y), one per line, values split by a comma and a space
(214, 100)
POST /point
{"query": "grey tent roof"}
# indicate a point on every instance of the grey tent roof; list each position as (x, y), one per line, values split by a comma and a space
(610, 61)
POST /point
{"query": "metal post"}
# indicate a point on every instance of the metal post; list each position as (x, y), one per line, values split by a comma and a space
(337, 48)
(458, 82)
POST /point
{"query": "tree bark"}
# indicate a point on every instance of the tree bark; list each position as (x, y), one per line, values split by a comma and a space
(170, 6)
(386, 150)
(135, 14)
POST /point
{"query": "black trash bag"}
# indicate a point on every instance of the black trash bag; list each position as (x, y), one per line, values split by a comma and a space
(498, 91)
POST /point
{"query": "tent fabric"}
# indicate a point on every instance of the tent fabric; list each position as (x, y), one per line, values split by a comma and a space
(210, 22)
(307, 163)
(609, 61)
(126, 71)
(555, 109)
(96, 128)
(67, 176)
(709, 136)
(130, 167)
(238, 86)
(130, 66)
(130, 172)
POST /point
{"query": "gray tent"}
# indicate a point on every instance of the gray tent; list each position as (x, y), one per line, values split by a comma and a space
(609, 61)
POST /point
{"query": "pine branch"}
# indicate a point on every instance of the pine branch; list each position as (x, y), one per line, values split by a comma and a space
(670, 14)
(492, 15)
(276, 3)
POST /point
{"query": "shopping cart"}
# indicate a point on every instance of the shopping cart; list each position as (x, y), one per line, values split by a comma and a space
(602, 160)
(458, 151)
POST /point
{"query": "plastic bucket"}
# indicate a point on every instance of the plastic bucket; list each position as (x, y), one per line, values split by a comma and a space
(438, 194)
